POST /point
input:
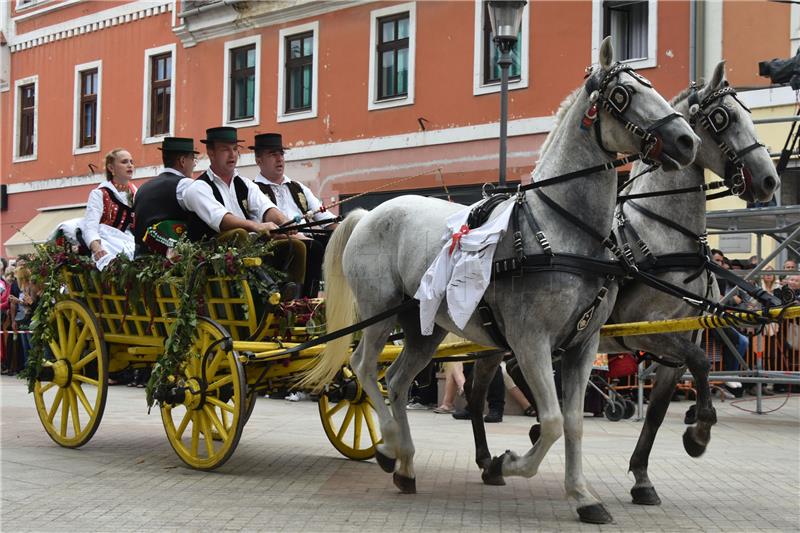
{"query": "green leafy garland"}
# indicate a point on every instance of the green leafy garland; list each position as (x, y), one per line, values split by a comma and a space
(188, 270)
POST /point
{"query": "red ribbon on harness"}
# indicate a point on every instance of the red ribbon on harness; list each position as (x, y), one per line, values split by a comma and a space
(457, 237)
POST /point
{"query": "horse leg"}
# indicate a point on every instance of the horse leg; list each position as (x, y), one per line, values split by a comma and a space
(576, 366)
(364, 362)
(696, 438)
(482, 375)
(538, 371)
(416, 354)
(643, 492)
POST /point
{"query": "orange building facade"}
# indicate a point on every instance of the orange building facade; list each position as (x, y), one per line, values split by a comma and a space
(366, 94)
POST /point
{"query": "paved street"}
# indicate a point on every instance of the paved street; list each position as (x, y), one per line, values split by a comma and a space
(285, 476)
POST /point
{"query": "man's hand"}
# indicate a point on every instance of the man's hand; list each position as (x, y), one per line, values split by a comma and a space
(267, 228)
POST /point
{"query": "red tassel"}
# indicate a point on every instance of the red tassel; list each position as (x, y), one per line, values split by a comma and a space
(589, 117)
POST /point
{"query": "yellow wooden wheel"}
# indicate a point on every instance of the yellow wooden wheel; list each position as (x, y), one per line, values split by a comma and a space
(205, 417)
(71, 391)
(348, 418)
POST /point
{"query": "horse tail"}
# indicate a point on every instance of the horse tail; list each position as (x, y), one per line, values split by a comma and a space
(340, 307)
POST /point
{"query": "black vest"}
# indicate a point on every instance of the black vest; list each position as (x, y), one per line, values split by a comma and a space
(295, 190)
(156, 201)
(199, 230)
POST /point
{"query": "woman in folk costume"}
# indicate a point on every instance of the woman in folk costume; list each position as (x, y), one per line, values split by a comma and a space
(107, 227)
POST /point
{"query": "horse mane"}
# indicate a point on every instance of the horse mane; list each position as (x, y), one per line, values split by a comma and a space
(684, 94)
(562, 111)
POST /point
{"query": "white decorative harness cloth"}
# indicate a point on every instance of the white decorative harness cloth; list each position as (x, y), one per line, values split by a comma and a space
(463, 269)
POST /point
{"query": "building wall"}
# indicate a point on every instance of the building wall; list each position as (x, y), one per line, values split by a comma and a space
(753, 31)
(347, 148)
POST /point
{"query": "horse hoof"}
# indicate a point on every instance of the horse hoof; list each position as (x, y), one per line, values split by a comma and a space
(645, 496)
(385, 462)
(594, 514)
(535, 433)
(407, 485)
(494, 474)
(692, 447)
(691, 416)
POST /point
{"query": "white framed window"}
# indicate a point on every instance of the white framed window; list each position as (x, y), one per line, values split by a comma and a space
(24, 4)
(241, 93)
(26, 119)
(485, 72)
(392, 56)
(86, 108)
(298, 81)
(633, 27)
(158, 95)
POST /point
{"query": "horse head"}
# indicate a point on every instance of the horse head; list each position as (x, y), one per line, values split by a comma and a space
(630, 116)
(730, 147)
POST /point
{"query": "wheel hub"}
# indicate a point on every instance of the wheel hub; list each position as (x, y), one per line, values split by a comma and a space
(61, 373)
(193, 394)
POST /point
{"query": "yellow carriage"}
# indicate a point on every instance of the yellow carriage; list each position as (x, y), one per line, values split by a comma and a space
(239, 348)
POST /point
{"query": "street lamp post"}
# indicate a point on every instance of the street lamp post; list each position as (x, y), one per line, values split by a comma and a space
(506, 18)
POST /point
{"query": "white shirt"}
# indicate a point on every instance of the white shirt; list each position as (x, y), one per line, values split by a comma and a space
(94, 211)
(180, 191)
(464, 275)
(283, 197)
(199, 198)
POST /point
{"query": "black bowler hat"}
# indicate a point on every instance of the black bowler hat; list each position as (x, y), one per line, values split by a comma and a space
(268, 141)
(222, 134)
(178, 144)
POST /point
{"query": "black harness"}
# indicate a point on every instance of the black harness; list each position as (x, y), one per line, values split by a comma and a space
(715, 119)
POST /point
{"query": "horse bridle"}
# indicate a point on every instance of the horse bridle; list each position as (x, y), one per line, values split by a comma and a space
(716, 121)
(616, 103)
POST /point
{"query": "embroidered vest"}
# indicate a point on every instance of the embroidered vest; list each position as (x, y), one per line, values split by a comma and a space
(115, 212)
(295, 190)
(199, 230)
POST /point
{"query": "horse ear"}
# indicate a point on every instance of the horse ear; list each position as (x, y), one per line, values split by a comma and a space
(718, 78)
(606, 53)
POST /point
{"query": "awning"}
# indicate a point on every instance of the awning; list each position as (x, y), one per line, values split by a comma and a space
(39, 229)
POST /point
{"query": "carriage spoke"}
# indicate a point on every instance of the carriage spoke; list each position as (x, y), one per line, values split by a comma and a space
(346, 422)
(207, 436)
(219, 383)
(88, 357)
(195, 434)
(73, 409)
(80, 344)
(212, 416)
(73, 330)
(56, 349)
(357, 429)
(56, 403)
(78, 391)
(183, 424)
(219, 357)
(335, 409)
(80, 377)
(64, 414)
(221, 405)
(373, 435)
(62, 333)
(46, 387)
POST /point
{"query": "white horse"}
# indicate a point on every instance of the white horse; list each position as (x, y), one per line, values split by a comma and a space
(376, 260)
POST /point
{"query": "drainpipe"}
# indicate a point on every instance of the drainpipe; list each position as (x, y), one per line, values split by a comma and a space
(200, 9)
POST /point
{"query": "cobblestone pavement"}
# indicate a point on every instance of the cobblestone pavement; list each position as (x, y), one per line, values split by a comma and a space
(285, 476)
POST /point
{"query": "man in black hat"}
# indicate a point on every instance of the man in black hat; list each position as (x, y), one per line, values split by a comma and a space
(220, 199)
(294, 200)
(161, 198)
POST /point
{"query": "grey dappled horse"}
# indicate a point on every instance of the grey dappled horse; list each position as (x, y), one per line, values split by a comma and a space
(377, 259)
(637, 302)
